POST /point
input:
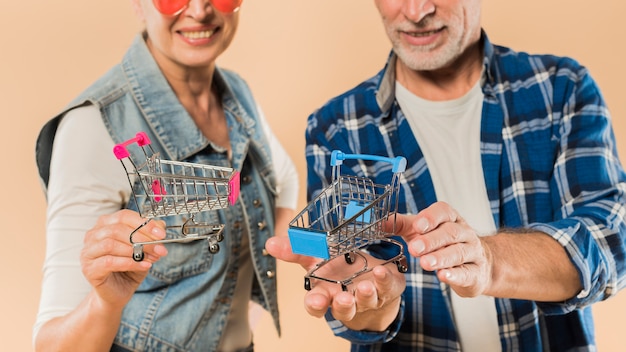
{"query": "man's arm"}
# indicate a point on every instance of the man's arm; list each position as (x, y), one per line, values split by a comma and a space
(522, 265)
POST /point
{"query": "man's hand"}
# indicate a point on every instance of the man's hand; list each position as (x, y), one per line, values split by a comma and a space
(518, 263)
(371, 302)
(444, 242)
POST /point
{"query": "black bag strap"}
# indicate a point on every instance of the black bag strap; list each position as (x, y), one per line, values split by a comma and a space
(43, 148)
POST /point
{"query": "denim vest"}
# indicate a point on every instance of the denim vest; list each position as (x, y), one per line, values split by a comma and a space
(184, 302)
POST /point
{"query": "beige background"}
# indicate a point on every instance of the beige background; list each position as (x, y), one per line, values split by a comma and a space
(295, 54)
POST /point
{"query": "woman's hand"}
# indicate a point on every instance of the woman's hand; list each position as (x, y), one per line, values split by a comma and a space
(107, 256)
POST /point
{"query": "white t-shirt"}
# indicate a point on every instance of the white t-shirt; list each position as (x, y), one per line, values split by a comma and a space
(83, 163)
(449, 136)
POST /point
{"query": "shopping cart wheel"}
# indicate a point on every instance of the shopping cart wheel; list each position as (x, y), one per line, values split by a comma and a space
(307, 284)
(138, 254)
(349, 258)
(402, 267)
(214, 248)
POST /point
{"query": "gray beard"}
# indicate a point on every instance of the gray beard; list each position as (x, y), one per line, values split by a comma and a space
(426, 60)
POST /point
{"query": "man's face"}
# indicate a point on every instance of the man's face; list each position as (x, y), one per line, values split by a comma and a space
(430, 34)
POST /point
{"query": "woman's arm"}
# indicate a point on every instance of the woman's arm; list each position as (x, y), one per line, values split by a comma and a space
(86, 271)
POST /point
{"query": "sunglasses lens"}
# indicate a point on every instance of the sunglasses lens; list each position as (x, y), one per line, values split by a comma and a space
(226, 6)
(170, 7)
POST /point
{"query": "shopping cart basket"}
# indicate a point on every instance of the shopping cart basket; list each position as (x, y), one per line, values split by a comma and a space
(173, 188)
(347, 216)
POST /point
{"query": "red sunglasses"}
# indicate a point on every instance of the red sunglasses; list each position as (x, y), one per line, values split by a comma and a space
(175, 7)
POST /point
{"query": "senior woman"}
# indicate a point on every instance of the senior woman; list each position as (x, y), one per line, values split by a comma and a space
(180, 297)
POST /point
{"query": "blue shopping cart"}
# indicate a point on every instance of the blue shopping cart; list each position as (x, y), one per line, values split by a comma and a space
(348, 216)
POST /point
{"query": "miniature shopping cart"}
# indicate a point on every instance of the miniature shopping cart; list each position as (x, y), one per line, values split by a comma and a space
(174, 188)
(348, 216)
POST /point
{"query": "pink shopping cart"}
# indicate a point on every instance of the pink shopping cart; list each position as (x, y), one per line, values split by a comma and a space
(174, 188)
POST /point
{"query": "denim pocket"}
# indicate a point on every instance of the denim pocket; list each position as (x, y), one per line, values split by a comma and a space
(186, 258)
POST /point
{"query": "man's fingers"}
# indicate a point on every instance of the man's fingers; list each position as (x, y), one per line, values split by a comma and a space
(317, 301)
(412, 226)
(386, 283)
(465, 280)
(437, 214)
(344, 306)
(403, 226)
(366, 296)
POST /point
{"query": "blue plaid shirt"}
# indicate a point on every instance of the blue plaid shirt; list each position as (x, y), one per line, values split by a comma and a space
(550, 164)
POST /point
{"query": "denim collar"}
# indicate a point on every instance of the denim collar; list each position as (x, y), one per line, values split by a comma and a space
(170, 123)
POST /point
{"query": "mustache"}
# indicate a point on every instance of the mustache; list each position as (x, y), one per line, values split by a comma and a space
(425, 24)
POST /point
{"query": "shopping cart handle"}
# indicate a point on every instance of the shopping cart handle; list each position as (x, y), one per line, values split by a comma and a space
(399, 163)
(120, 150)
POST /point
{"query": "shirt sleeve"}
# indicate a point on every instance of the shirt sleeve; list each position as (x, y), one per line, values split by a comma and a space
(589, 186)
(286, 174)
(366, 337)
(86, 181)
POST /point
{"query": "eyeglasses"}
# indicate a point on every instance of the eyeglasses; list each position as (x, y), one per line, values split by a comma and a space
(175, 7)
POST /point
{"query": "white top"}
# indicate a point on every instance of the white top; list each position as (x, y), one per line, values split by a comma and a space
(449, 136)
(84, 164)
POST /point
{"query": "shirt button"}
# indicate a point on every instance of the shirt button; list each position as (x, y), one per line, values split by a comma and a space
(265, 252)
(256, 203)
(261, 225)
(246, 179)
(270, 274)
